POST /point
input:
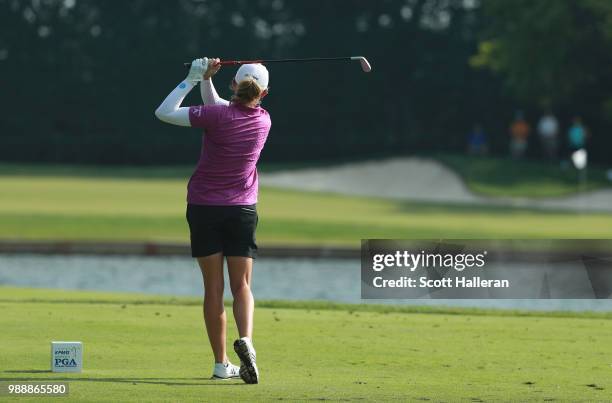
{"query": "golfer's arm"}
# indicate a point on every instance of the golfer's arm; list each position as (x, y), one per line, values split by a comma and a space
(209, 94)
(170, 110)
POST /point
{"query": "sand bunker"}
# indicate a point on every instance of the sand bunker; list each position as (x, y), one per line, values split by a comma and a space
(416, 179)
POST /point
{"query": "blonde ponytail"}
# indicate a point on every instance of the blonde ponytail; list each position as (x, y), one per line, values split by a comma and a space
(246, 91)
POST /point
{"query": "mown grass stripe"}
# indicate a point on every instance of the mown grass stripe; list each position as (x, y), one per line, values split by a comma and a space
(331, 306)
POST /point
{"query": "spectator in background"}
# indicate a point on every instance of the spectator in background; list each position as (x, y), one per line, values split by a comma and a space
(548, 130)
(519, 131)
(477, 141)
(577, 134)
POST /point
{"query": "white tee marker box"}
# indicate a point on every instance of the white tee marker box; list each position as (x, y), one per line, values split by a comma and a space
(66, 356)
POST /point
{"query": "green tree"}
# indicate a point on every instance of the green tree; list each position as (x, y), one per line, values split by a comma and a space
(550, 53)
(81, 78)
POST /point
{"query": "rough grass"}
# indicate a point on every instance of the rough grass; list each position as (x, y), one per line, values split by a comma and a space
(156, 350)
(43, 206)
(504, 177)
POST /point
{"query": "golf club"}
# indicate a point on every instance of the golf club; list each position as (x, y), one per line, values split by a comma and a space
(365, 65)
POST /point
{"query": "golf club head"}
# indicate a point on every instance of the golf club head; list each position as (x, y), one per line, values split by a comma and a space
(365, 65)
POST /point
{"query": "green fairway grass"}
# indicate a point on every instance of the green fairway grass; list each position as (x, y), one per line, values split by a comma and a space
(152, 208)
(146, 348)
(488, 176)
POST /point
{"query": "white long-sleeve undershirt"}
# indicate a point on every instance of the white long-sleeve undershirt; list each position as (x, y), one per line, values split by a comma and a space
(170, 110)
(209, 94)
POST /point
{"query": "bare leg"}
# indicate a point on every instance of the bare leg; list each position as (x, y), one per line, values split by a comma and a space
(214, 312)
(240, 269)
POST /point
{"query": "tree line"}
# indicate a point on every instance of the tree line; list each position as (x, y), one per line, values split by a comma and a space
(81, 78)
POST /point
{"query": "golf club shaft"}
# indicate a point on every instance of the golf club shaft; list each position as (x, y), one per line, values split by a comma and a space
(264, 61)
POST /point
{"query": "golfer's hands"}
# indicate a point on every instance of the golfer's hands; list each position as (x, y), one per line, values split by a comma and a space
(198, 66)
(213, 66)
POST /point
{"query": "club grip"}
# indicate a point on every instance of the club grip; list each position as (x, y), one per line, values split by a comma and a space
(223, 63)
(188, 64)
(232, 62)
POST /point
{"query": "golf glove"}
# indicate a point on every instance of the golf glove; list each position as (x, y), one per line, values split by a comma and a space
(197, 69)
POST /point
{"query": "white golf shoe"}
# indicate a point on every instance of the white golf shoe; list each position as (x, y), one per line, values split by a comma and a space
(246, 352)
(225, 371)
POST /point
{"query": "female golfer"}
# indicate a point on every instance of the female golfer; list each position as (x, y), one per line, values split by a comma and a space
(222, 197)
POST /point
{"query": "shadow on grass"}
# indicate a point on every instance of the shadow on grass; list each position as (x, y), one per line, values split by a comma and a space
(182, 172)
(131, 380)
(28, 371)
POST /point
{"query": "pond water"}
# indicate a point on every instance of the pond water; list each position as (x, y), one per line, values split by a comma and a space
(273, 278)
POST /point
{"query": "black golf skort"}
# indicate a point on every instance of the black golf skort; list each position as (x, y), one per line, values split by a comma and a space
(227, 229)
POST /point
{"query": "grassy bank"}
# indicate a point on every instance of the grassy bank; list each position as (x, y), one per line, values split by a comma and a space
(38, 206)
(156, 350)
(504, 177)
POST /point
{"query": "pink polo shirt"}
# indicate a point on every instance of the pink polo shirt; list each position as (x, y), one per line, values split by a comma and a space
(234, 135)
